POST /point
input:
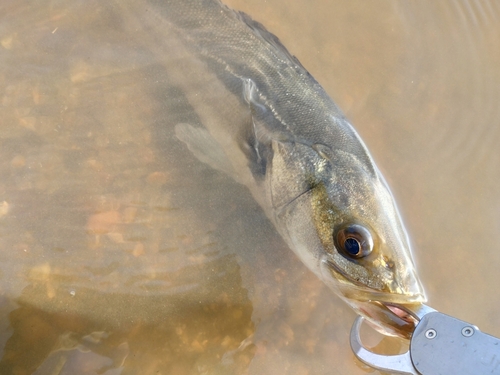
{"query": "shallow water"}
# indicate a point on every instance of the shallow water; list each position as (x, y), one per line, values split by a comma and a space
(108, 225)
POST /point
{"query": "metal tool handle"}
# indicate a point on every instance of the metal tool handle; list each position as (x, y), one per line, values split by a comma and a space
(445, 345)
(440, 345)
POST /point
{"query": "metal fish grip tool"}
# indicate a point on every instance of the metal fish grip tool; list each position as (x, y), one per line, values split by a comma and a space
(440, 345)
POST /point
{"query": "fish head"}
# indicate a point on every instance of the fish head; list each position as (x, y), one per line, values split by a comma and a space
(344, 225)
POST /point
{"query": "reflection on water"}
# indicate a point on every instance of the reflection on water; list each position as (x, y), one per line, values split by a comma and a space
(122, 254)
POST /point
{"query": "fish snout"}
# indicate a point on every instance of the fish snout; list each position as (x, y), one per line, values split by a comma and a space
(407, 288)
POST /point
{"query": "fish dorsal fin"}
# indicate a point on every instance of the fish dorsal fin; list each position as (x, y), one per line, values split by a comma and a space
(260, 31)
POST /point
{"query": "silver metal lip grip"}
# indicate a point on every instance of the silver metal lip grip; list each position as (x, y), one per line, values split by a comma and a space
(440, 345)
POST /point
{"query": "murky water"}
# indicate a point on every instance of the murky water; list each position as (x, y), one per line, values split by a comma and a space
(122, 254)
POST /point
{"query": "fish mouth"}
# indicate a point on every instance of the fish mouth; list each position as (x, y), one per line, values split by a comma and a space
(389, 312)
(388, 318)
(409, 294)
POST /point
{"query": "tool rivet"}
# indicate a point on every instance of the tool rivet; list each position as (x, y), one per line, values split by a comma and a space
(431, 333)
(467, 331)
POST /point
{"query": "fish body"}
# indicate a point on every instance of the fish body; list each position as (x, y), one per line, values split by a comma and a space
(268, 123)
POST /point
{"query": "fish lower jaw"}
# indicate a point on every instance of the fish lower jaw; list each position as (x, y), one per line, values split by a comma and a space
(351, 289)
(388, 298)
(400, 299)
(365, 294)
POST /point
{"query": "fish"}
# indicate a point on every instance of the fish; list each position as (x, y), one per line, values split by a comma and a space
(271, 126)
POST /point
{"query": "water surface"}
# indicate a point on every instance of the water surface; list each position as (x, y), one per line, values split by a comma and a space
(122, 254)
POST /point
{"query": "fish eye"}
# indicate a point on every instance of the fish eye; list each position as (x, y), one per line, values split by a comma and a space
(354, 241)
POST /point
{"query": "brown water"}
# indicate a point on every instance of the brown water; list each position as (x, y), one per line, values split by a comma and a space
(122, 254)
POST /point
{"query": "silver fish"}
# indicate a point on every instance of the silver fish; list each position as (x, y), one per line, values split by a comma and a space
(270, 125)
(254, 114)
